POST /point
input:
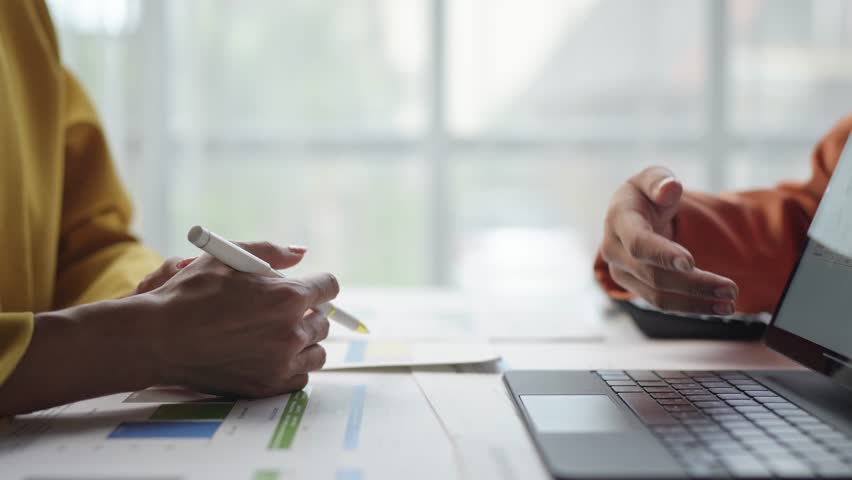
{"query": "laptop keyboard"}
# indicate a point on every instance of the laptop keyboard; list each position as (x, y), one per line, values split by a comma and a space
(721, 424)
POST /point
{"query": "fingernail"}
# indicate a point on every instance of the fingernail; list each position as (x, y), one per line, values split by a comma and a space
(723, 308)
(297, 249)
(682, 264)
(183, 263)
(725, 292)
(662, 184)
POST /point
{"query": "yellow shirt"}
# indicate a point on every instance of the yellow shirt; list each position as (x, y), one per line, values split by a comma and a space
(64, 215)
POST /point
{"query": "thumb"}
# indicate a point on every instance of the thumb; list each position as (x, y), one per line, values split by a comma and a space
(663, 189)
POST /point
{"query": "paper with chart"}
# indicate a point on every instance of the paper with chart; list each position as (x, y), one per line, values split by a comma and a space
(379, 352)
(832, 225)
(345, 426)
(439, 314)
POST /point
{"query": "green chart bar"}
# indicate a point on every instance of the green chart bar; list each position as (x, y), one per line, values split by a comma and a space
(288, 425)
(192, 411)
(266, 475)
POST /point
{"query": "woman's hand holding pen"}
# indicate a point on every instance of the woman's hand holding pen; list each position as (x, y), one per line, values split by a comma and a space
(226, 332)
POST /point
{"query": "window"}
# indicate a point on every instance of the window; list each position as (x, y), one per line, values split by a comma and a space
(472, 143)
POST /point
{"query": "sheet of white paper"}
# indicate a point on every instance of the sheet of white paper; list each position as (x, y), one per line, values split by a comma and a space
(380, 352)
(346, 426)
(432, 314)
(485, 429)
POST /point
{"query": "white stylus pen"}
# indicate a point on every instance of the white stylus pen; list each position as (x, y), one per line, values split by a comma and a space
(235, 257)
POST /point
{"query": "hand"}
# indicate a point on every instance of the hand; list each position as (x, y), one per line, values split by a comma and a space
(226, 332)
(162, 274)
(644, 259)
(172, 265)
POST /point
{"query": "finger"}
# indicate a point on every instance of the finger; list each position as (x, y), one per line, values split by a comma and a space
(659, 185)
(183, 263)
(278, 257)
(669, 301)
(695, 283)
(644, 245)
(316, 327)
(321, 288)
(159, 276)
(295, 383)
(310, 359)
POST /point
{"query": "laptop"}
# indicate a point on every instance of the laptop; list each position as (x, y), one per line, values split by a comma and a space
(712, 424)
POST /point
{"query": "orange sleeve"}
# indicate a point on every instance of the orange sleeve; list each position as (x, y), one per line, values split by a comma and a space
(752, 237)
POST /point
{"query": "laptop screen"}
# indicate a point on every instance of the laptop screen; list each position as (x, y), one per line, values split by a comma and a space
(817, 306)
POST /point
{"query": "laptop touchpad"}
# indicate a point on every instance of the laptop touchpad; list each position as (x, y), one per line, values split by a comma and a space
(575, 414)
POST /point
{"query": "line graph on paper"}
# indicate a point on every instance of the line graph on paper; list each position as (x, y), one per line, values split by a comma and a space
(832, 225)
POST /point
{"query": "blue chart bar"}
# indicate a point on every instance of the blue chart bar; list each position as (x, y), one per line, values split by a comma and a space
(348, 474)
(165, 430)
(356, 352)
(353, 423)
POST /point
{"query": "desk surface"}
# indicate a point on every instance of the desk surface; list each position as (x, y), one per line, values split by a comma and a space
(420, 422)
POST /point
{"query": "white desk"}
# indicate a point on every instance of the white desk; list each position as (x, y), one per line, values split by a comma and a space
(424, 422)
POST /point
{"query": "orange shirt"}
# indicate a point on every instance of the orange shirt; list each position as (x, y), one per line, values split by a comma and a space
(754, 237)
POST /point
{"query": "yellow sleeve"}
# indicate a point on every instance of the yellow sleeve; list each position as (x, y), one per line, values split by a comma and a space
(16, 329)
(98, 256)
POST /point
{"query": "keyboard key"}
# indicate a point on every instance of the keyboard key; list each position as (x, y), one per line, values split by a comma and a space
(741, 381)
(761, 416)
(718, 391)
(719, 410)
(658, 389)
(692, 391)
(642, 375)
(620, 383)
(696, 420)
(701, 398)
(716, 384)
(729, 417)
(686, 386)
(782, 406)
(816, 428)
(833, 469)
(750, 409)
(757, 391)
(653, 383)
(710, 404)
(744, 465)
(829, 437)
(669, 375)
(770, 400)
(804, 421)
(615, 377)
(743, 403)
(707, 378)
(672, 401)
(679, 408)
(690, 416)
(708, 470)
(788, 467)
(734, 396)
(793, 413)
(666, 395)
(771, 422)
(635, 388)
(647, 409)
(679, 381)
